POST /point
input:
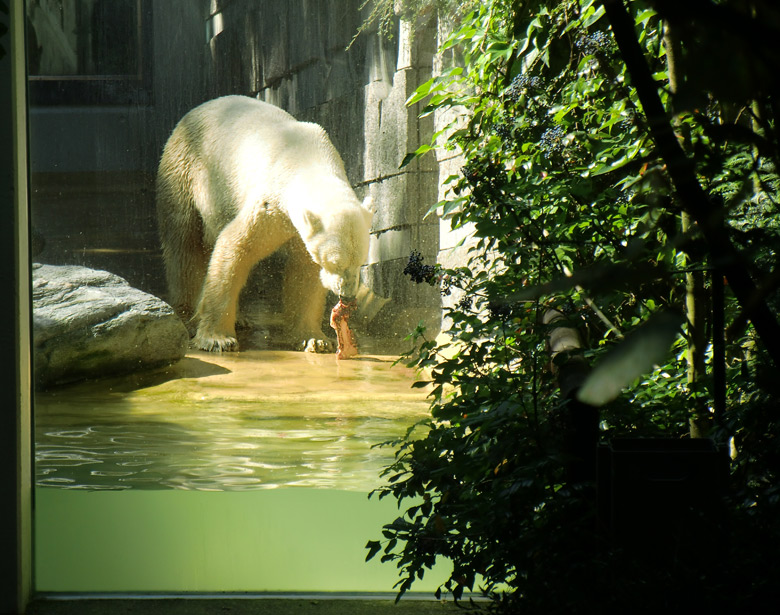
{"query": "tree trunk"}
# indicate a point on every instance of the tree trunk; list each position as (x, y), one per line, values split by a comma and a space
(700, 419)
(581, 420)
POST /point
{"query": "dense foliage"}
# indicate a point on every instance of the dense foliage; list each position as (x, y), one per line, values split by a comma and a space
(621, 173)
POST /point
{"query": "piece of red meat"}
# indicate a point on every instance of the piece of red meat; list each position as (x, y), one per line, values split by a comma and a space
(339, 320)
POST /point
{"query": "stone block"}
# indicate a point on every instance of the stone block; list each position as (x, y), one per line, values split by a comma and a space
(283, 94)
(273, 23)
(392, 128)
(417, 43)
(425, 238)
(343, 72)
(337, 117)
(389, 245)
(307, 32)
(402, 200)
(343, 21)
(309, 85)
(89, 324)
(386, 131)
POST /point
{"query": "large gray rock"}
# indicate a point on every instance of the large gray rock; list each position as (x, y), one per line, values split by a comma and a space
(89, 323)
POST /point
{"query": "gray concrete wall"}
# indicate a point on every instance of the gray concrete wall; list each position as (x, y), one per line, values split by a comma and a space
(454, 244)
(294, 54)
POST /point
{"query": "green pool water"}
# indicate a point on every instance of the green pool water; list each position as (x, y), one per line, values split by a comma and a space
(284, 540)
(246, 472)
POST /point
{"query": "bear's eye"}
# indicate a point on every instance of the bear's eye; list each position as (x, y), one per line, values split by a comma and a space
(334, 264)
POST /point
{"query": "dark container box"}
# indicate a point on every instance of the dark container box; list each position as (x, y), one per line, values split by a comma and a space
(662, 497)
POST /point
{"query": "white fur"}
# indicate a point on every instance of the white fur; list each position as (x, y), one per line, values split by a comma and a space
(238, 179)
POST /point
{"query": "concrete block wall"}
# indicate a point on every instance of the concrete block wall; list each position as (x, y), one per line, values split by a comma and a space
(454, 244)
(294, 54)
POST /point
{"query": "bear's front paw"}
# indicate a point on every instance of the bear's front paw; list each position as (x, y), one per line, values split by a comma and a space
(317, 345)
(215, 343)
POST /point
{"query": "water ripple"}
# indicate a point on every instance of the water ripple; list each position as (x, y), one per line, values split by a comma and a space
(336, 452)
(262, 420)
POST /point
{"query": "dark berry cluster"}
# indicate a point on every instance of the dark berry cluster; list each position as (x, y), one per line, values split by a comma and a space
(483, 173)
(428, 274)
(628, 121)
(593, 44)
(466, 303)
(499, 310)
(503, 131)
(472, 172)
(523, 83)
(417, 271)
(551, 141)
(446, 284)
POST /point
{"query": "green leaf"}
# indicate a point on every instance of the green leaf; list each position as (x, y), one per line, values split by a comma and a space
(422, 91)
(611, 166)
(408, 159)
(373, 547)
(592, 16)
(645, 16)
(453, 205)
(636, 355)
(412, 156)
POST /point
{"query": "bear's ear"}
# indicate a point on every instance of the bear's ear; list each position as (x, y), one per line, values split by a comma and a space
(368, 204)
(312, 223)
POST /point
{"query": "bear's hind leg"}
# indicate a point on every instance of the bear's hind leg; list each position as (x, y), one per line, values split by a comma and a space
(186, 262)
(185, 254)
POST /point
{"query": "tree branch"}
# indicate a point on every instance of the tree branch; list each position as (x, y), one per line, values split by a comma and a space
(690, 195)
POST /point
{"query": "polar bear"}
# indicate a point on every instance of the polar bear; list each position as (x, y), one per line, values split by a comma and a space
(238, 179)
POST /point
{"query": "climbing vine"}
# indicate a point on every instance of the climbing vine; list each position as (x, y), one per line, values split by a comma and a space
(382, 15)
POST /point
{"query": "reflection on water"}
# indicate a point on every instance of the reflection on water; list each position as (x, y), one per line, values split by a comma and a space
(251, 420)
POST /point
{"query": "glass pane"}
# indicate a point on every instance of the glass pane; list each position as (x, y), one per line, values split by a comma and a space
(82, 38)
(162, 464)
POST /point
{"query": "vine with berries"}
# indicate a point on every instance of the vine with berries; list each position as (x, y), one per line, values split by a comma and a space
(574, 209)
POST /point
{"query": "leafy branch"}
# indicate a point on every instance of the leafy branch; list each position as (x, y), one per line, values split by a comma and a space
(574, 183)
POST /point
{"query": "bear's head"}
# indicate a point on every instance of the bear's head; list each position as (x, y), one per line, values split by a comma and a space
(337, 239)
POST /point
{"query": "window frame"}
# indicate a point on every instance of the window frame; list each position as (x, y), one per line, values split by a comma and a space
(102, 89)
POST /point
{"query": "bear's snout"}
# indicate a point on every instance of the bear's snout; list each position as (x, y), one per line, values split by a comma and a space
(345, 286)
